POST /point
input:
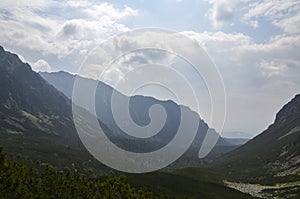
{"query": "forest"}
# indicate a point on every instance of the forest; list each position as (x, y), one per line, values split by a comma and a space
(20, 181)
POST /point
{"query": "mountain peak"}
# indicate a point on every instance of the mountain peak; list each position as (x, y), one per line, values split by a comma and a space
(10, 62)
(27, 89)
(290, 109)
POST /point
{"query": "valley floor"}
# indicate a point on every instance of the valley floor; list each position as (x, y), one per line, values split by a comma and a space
(281, 190)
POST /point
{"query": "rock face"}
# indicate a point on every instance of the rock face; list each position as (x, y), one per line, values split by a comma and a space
(273, 153)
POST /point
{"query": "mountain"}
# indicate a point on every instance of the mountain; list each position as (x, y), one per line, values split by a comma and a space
(36, 128)
(36, 125)
(272, 155)
(61, 80)
(237, 141)
(237, 134)
(139, 107)
(36, 119)
(28, 103)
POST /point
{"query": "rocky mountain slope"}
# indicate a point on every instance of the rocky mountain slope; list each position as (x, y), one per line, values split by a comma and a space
(272, 155)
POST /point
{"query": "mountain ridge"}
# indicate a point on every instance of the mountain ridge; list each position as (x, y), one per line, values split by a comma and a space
(64, 81)
(42, 111)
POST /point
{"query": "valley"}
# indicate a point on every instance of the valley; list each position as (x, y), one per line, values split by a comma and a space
(37, 130)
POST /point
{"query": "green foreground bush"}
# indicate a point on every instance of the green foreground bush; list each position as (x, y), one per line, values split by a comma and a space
(19, 181)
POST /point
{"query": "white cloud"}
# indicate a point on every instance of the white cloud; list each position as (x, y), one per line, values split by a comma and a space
(132, 45)
(257, 76)
(23, 25)
(281, 13)
(106, 10)
(41, 65)
(281, 69)
(228, 40)
(290, 24)
(254, 72)
(284, 14)
(272, 68)
(79, 3)
(272, 9)
(222, 12)
(37, 4)
(22, 59)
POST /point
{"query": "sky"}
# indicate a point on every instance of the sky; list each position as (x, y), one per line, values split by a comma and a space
(254, 44)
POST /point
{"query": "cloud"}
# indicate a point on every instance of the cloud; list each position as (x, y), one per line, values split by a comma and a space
(222, 12)
(41, 66)
(290, 24)
(106, 10)
(24, 27)
(284, 14)
(70, 29)
(22, 59)
(257, 75)
(272, 68)
(133, 55)
(281, 68)
(37, 4)
(79, 4)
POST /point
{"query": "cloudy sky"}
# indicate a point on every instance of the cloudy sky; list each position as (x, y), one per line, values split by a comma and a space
(255, 44)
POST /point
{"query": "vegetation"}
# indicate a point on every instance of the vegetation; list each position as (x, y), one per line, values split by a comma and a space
(19, 181)
(284, 190)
